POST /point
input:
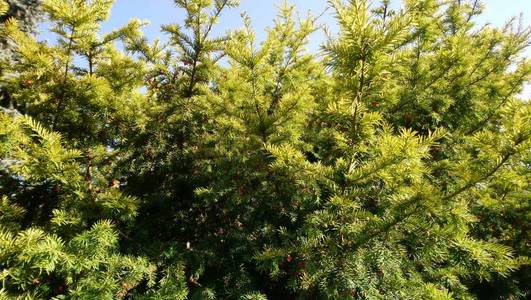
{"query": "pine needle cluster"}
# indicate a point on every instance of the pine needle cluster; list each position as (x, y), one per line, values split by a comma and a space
(394, 164)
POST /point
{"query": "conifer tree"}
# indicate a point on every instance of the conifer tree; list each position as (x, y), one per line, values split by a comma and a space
(395, 165)
(27, 12)
(63, 214)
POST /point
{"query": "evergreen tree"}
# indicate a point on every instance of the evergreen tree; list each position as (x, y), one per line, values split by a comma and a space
(63, 214)
(393, 166)
(27, 12)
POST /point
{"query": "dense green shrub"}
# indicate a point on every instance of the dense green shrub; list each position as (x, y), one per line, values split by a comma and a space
(394, 166)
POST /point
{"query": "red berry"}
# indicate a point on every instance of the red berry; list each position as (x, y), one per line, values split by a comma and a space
(27, 83)
(115, 183)
(289, 258)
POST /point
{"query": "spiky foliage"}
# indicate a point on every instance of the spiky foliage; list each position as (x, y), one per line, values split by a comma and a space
(82, 94)
(63, 213)
(27, 12)
(56, 237)
(393, 166)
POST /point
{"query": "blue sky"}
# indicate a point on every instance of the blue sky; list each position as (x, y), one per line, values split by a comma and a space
(262, 12)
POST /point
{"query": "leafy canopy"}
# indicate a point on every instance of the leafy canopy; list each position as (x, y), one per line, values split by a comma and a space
(393, 164)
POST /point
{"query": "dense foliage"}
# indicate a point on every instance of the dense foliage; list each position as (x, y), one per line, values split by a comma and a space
(27, 12)
(394, 166)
